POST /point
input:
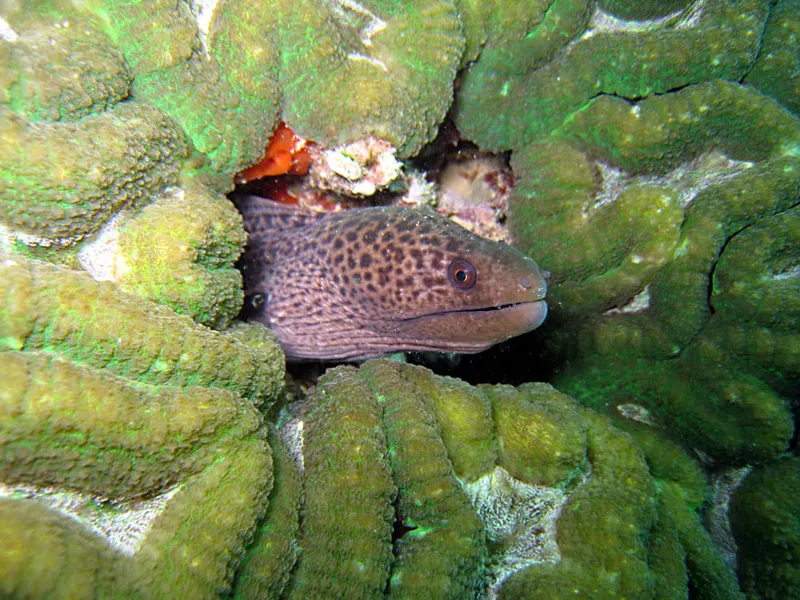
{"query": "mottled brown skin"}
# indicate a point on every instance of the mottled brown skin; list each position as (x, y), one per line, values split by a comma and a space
(371, 281)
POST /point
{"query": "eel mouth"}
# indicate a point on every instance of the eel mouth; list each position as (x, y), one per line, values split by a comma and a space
(489, 309)
(471, 330)
(528, 315)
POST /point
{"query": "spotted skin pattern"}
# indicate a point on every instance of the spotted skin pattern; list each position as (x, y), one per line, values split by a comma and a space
(372, 281)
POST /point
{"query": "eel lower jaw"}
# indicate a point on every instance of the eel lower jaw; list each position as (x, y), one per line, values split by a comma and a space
(473, 330)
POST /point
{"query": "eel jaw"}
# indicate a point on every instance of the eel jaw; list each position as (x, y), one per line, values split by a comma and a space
(469, 331)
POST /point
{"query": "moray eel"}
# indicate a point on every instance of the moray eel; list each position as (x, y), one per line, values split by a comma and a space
(371, 281)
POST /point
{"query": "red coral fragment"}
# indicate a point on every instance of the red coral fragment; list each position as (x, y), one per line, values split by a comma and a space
(285, 154)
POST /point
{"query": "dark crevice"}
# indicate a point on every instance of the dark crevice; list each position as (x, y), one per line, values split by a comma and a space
(757, 53)
(400, 530)
(711, 273)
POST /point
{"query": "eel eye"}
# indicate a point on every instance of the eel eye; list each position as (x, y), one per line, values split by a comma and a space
(462, 274)
(258, 300)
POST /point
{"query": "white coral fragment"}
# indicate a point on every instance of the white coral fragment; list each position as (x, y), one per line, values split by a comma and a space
(359, 168)
(518, 516)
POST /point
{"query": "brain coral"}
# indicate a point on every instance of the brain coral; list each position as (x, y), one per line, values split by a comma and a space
(640, 210)
(504, 105)
(411, 486)
(112, 398)
(387, 68)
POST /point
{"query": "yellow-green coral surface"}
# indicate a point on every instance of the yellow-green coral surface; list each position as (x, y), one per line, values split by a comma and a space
(415, 486)
(407, 488)
(112, 398)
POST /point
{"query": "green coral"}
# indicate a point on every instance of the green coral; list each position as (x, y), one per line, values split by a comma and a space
(383, 511)
(443, 553)
(265, 569)
(75, 153)
(659, 190)
(764, 513)
(380, 450)
(76, 156)
(88, 431)
(388, 68)
(46, 555)
(63, 72)
(734, 418)
(542, 434)
(500, 109)
(555, 208)
(775, 70)
(668, 556)
(347, 514)
(710, 576)
(110, 396)
(62, 180)
(669, 462)
(640, 211)
(348, 70)
(636, 9)
(47, 308)
(756, 294)
(602, 528)
(172, 72)
(465, 417)
(511, 38)
(180, 251)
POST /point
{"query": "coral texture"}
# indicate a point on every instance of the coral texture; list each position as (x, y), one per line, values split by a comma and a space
(764, 519)
(390, 447)
(180, 250)
(110, 397)
(408, 488)
(639, 211)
